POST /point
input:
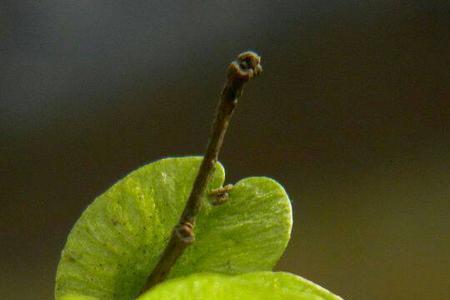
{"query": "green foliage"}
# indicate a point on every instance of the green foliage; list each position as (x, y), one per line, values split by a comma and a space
(118, 239)
(251, 286)
(77, 297)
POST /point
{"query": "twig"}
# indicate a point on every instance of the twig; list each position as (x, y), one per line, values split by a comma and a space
(245, 67)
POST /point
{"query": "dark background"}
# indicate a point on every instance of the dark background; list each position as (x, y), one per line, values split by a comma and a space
(351, 115)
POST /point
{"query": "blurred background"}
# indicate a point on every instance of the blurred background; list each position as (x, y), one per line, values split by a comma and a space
(351, 115)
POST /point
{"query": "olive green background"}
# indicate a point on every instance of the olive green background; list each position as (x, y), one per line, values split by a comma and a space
(351, 115)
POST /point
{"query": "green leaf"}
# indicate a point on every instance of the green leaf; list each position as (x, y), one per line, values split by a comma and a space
(77, 297)
(254, 286)
(118, 239)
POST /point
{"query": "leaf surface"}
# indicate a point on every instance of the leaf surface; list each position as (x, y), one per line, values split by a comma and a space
(118, 239)
(251, 286)
(77, 297)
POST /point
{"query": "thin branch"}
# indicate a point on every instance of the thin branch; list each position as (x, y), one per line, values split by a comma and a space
(245, 67)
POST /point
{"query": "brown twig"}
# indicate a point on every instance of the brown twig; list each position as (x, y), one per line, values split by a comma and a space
(245, 67)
